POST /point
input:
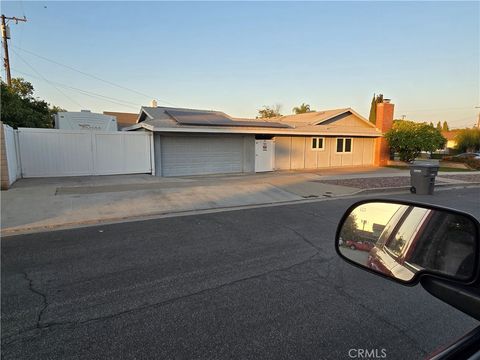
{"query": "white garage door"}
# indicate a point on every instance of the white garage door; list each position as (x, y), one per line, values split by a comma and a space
(195, 155)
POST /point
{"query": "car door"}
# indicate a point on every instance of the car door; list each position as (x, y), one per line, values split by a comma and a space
(402, 238)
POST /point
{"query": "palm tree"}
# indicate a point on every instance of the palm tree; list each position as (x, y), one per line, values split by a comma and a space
(302, 109)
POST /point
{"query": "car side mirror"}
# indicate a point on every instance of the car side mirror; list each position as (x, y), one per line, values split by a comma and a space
(403, 240)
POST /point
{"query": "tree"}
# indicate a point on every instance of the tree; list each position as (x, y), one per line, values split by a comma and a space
(431, 124)
(439, 126)
(349, 228)
(409, 139)
(302, 109)
(269, 112)
(445, 126)
(56, 109)
(373, 108)
(468, 140)
(23, 88)
(21, 109)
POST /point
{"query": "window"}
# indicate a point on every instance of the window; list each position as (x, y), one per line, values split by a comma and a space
(392, 224)
(339, 145)
(344, 145)
(317, 143)
(406, 233)
(348, 145)
(445, 234)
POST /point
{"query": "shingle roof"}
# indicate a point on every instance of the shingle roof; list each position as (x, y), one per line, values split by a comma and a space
(211, 118)
(160, 112)
(180, 116)
(313, 123)
(450, 135)
(312, 117)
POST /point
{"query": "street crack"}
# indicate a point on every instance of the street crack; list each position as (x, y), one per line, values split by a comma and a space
(37, 325)
(42, 295)
(161, 303)
(303, 237)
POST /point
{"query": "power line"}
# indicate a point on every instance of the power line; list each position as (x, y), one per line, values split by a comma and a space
(435, 109)
(86, 92)
(464, 119)
(93, 76)
(45, 79)
(89, 93)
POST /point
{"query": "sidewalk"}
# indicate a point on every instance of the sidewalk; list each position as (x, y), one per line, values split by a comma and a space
(48, 203)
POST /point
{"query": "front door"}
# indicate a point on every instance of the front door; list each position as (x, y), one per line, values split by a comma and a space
(264, 155)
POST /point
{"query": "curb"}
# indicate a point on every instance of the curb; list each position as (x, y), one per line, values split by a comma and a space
(8, 232)
(445, 186)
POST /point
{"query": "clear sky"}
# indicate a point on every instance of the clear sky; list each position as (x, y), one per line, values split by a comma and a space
(237, 57)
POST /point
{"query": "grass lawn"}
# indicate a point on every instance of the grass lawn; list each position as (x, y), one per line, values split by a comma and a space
(444, 169)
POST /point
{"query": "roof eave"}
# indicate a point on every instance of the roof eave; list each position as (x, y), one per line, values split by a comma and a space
(143, 111)
(138, 126)
(343, 112)
(286, 132)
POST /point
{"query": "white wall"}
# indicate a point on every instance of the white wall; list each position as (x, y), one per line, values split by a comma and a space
(52, 152)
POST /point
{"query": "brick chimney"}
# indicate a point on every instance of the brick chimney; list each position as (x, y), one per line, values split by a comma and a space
(384, 122)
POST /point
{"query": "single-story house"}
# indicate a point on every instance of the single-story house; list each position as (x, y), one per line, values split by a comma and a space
(192, 142)
(451, 139)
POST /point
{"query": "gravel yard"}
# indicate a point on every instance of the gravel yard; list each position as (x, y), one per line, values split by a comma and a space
(371, 183)
(464, 177)
(386, 182)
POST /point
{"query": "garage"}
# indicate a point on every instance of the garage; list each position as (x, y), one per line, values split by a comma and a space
(198, 155)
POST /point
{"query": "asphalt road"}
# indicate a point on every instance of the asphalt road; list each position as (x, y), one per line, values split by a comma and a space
(249, 284)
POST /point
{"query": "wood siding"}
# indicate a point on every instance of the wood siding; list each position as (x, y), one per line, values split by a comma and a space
(295, 152)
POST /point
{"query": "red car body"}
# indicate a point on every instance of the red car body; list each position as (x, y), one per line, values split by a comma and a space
(359, 245)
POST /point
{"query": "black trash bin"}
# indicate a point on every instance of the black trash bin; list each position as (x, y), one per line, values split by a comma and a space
(422, 176)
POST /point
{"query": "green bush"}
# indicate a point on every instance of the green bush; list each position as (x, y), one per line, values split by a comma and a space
(468, 140)
(409, 139)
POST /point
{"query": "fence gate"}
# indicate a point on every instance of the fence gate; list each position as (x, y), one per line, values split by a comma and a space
(52, 152)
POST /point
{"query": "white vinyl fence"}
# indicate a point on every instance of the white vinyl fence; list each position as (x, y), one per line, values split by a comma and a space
(11, 147)
(52, 152)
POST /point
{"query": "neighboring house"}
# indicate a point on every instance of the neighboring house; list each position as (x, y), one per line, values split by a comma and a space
(123, 119)
(191, 142)
(451, 142)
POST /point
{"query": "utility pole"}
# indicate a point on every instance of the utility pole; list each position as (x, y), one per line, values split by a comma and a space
(5, 37)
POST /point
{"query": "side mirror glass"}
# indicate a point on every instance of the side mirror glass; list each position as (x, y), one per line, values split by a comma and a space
(402, 240)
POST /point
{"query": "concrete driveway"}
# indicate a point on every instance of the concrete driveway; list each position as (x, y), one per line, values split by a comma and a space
(46, 203)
